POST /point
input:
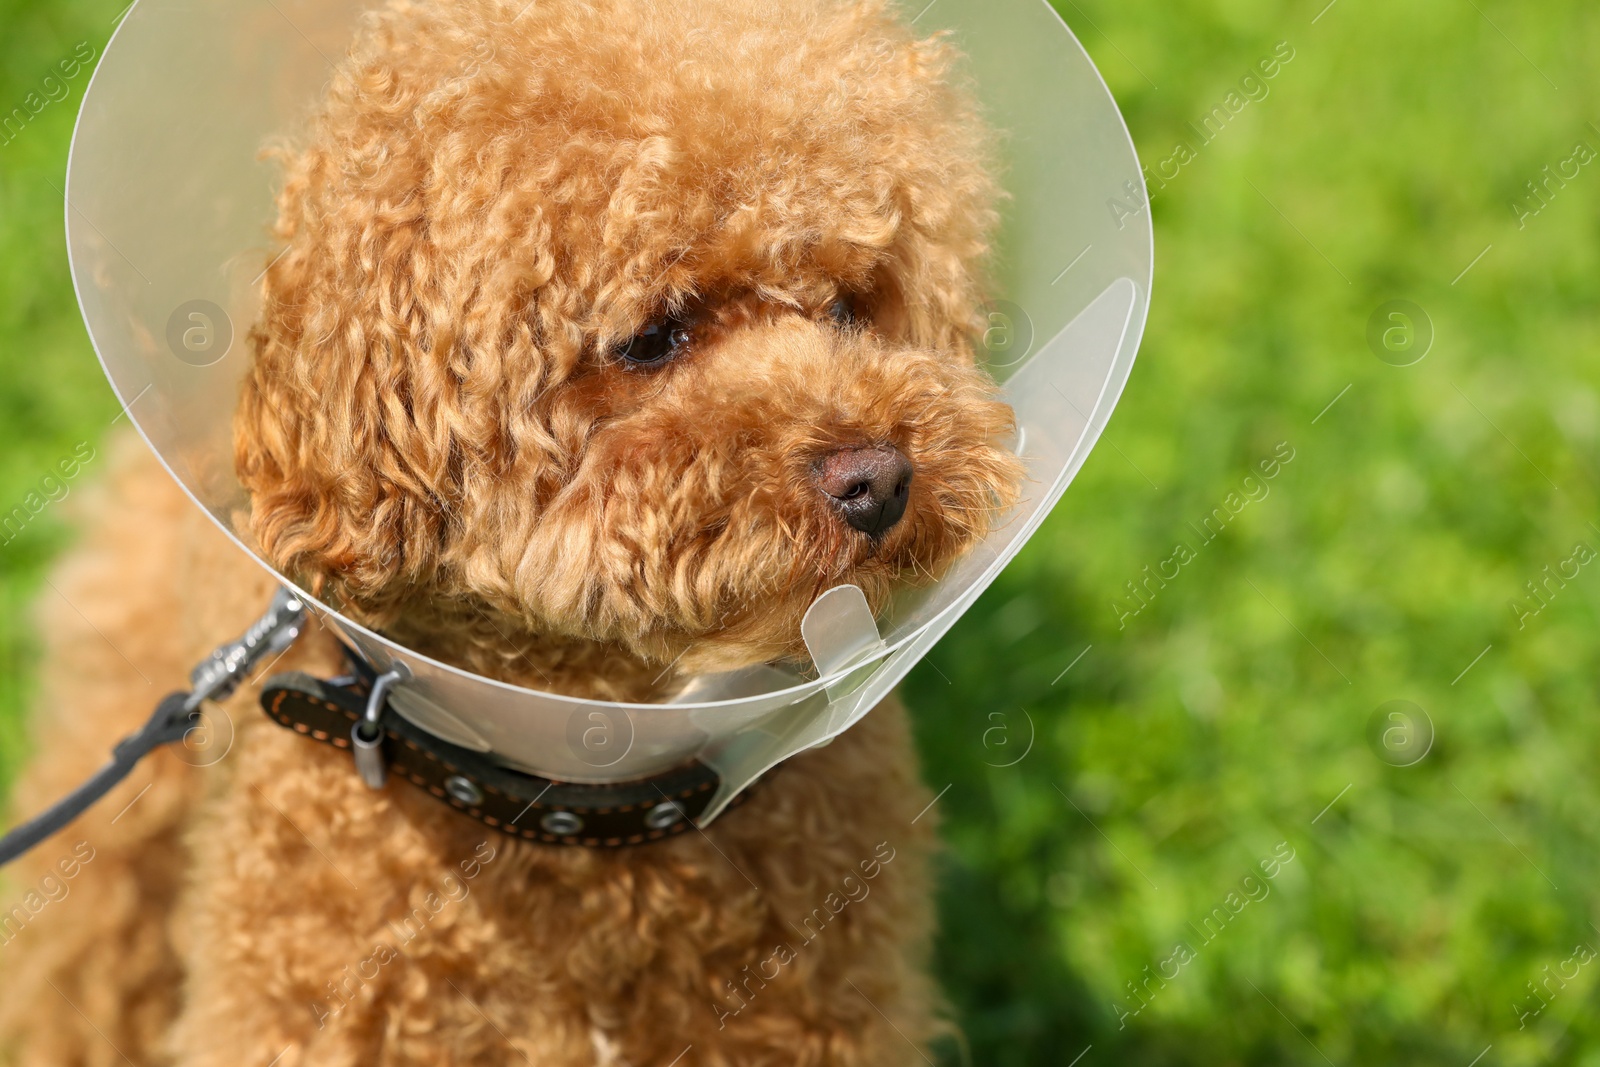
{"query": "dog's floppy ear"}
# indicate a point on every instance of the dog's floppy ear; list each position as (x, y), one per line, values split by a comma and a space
(349, 433)
(408, 335)
(345, 488)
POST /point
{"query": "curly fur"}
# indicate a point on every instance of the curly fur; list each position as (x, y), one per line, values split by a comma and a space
(438, 433)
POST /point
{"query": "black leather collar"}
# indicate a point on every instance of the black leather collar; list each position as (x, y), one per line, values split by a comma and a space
(523, 805)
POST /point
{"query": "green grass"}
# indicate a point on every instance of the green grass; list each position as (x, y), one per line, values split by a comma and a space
(52, 393)
(1225, 718)
(1232, 711)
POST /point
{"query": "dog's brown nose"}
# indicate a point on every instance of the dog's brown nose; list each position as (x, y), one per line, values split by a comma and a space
(869, 486)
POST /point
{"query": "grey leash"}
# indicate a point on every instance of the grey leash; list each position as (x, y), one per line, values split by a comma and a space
(215, 678)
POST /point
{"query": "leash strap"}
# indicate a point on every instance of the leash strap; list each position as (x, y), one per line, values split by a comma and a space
(173, 719)
(215, 678)
(527, 806)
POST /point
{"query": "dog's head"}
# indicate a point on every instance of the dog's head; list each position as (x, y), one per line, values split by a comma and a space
(625, 325)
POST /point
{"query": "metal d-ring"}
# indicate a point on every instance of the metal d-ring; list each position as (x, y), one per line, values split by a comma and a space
(366, 736)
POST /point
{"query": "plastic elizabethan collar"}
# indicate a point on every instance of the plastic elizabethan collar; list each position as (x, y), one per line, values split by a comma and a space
(168, 205)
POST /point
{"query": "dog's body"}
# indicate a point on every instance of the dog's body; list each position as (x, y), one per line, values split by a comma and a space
(551, 382)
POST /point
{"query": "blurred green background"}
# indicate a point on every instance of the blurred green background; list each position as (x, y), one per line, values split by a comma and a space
(1158, 757)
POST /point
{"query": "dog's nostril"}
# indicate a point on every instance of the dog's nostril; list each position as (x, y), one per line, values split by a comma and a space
(869, 486)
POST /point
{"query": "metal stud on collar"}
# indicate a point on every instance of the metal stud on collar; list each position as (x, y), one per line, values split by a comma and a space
(665, 814)
(561, 823)
(464, 789)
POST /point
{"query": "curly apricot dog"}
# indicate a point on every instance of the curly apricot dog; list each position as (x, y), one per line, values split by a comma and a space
(606, 335)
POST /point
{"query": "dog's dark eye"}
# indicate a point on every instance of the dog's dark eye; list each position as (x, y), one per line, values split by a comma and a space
(657, 343)
(843, 310)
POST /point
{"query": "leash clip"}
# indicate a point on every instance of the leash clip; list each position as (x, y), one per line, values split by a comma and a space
(217, 676)
(366, 736)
